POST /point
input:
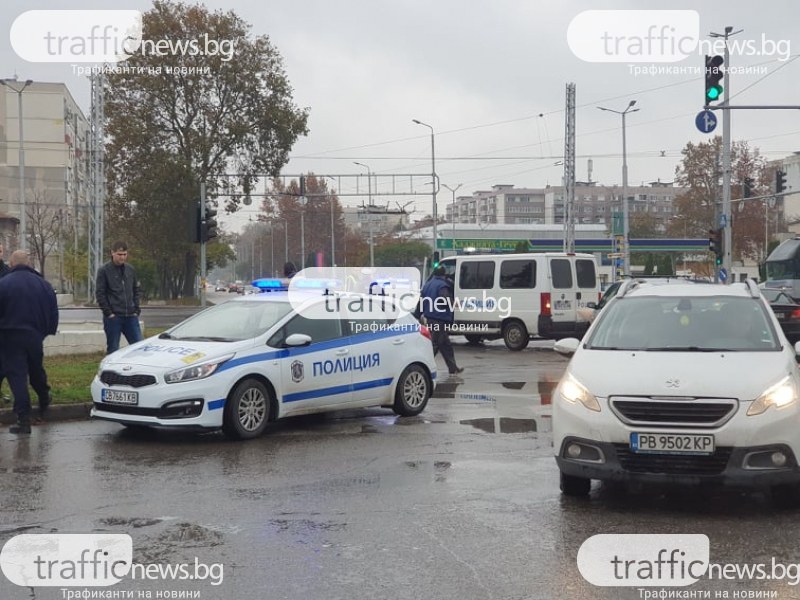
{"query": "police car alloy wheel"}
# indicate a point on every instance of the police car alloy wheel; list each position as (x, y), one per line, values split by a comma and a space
(515, 336)
(247, 411)
(413, 391)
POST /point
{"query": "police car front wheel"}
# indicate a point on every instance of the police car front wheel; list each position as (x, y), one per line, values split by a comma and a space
(412, 392)
(247, 410)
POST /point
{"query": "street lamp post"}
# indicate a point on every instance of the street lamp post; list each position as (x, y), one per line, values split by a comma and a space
(369, 212)
(333, 229)
(433, 181)
(23, 220)
(626, 251)
(453, 215)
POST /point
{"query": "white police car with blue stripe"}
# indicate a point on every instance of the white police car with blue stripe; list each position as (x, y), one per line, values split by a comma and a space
(257, 358)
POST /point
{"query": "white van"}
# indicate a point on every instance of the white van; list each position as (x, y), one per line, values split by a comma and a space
(520, 296)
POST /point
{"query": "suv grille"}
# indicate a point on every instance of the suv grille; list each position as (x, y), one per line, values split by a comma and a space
(674, 413)
(673, 464)
(137, 381)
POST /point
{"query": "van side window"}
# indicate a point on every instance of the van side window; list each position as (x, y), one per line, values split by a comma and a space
(518, 274)
(476, 275)
(561, 271)
(584, 270)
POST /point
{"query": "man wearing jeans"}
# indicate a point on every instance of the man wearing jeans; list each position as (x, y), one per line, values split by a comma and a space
(117, 293)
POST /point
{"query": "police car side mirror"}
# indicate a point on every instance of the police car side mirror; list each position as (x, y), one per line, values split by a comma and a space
(591, 305)
(297, 339)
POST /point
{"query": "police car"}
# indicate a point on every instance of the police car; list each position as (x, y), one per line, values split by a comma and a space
(249, 361)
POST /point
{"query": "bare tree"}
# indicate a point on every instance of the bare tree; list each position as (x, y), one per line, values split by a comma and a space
(44, 228)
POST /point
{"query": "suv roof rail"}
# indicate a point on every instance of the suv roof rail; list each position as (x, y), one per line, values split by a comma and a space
(752, 287)
(626, 286)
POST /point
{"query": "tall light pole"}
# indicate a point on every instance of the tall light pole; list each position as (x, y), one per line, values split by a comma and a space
(433, 182)
(333, 229)
(369, 212)
(626, 251)
(454, 190)
(23, 220)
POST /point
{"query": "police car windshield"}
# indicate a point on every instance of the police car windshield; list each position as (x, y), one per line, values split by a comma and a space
(231, 321)
(685, 324)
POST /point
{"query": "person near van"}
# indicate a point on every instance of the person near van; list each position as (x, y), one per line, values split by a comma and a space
(28, 314)
(437, 308)
(117, 292)
(4, 270)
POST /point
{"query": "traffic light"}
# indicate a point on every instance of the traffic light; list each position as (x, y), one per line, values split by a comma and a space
(747, 187)
(435, 259)
(715, 244)
(780, 181)
(714, 74)
(208, 229)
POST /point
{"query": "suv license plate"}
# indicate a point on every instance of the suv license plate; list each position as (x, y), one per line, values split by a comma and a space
(672, 443)
(119, 397)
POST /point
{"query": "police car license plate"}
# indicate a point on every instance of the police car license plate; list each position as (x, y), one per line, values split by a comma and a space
(119, 397)
(672, 443)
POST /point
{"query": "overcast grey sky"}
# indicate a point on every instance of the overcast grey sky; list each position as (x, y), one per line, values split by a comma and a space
(490, 78)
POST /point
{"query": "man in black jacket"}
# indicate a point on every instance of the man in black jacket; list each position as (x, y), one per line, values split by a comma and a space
(28, 314)
(4, 269)
(117, 293)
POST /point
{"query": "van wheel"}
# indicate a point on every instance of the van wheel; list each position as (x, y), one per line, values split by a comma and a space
(575, 486)
(246, 410)
(473, 338)
(412, 392)
(515, 336)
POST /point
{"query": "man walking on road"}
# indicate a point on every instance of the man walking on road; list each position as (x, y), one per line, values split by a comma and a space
(437, 308)
(118, 297)
(28, 314)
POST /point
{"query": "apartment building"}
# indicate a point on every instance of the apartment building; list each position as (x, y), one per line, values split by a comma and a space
(594, 204)
(55, 138)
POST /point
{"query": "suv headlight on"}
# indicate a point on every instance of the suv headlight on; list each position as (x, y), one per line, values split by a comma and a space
(780, 395)
(195, 371)
(572, 391)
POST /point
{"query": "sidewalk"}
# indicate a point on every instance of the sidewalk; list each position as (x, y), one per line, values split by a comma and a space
(56, 412)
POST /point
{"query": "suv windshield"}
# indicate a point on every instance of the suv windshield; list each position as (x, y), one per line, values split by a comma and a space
(684, 323)
(231, 321)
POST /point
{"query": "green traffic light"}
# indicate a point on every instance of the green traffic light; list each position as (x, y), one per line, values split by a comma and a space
(714, 92)
(719, 260)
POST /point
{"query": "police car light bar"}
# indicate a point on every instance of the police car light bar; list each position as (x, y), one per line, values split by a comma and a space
(268, 285)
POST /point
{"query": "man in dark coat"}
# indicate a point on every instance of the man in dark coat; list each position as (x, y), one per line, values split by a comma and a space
(4, 268)
(436, 305)
(117, 293)
(28, 314)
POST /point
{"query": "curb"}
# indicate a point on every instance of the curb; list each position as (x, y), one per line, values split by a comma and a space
(56, 412)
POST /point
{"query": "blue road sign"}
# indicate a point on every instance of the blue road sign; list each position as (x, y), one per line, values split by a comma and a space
(706, 121)
(723, 275)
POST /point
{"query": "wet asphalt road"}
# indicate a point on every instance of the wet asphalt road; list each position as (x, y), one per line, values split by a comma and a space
(461, 502)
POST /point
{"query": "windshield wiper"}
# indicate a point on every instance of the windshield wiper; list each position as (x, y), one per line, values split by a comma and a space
(203, 338)
(166, 336)
(688, 349)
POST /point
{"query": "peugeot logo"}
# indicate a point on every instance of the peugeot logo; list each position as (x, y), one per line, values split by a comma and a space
(673, 383)
(127, 368)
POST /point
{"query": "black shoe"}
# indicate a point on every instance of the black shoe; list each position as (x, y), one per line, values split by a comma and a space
(23, 427)
(44, 405)
(457, 371)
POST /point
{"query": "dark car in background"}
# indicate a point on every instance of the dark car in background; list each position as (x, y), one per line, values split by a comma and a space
(786, 310)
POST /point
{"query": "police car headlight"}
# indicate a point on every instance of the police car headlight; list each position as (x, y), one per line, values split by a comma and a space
(195, 371)
(780, 395)
(572, 391)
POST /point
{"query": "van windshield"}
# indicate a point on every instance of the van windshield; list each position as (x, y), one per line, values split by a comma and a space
(689, 323)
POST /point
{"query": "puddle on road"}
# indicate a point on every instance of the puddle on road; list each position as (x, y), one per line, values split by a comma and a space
(502, 424)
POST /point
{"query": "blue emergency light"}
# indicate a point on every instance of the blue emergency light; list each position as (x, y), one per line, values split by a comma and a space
(269, 285)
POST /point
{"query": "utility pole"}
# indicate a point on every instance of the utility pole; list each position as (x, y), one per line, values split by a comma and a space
(569, 171)
(453, 215)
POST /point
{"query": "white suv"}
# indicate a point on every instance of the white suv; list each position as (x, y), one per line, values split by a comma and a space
(680, 383)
